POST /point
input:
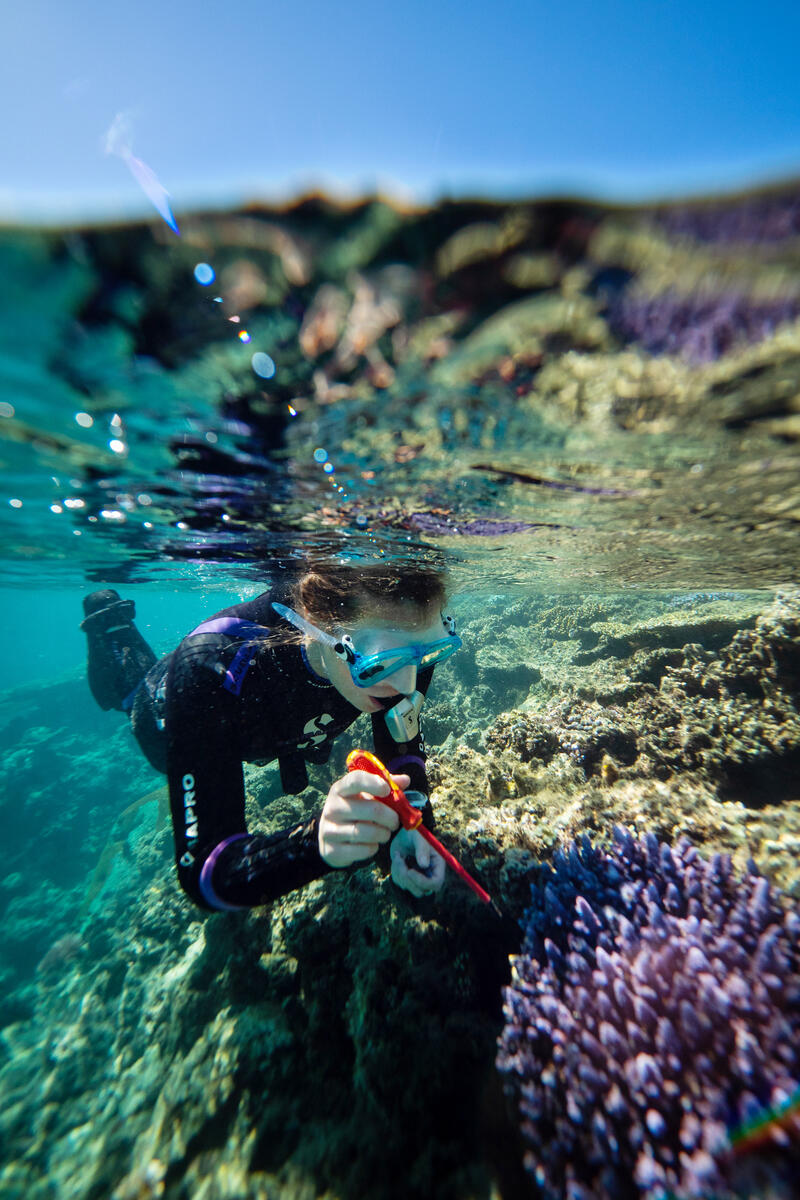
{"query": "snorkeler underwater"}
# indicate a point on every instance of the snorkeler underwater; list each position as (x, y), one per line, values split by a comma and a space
(243, 687)
(426, 819)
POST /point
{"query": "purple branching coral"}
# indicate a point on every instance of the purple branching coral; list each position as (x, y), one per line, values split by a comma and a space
(700, 329)
(655, 1008)
(436, 525)
(750, 221)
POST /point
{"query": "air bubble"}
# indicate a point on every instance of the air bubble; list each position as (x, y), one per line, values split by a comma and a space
(204, 274)
(320, 455)
(263, 365)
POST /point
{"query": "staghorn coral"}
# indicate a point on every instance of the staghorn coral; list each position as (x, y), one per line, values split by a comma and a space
(435, 523)
(748, 220)
(700, 328)
(655, 1007)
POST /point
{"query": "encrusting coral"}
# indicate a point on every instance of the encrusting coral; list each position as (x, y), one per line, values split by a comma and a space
(654, 1009)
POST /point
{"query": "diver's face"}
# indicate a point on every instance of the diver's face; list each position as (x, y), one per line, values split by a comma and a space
(394, 626)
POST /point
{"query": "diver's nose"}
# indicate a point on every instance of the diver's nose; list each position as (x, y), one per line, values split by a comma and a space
(404, 680)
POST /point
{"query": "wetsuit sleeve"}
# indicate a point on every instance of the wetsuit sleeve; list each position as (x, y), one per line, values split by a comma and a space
(220, 865)
(407, 758)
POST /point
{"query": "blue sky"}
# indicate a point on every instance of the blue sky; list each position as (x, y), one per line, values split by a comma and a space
(624, 100)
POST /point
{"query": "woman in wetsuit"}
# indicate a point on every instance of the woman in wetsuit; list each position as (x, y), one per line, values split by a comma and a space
(280, 677)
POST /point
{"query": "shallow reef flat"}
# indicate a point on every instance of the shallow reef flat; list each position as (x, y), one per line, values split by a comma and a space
(341, 1042)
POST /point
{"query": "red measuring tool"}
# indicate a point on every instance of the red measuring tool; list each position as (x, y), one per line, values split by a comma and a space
(411, 818)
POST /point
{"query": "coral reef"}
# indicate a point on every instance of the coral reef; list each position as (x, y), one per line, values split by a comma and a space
(752, 220)
(701, 328)
(256, 1052)
(246, 1054)
(459, 367)
(655, 1008)
(728, 716)
(67, 771)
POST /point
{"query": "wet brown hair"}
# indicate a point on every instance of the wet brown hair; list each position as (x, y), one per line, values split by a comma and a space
(336, 595)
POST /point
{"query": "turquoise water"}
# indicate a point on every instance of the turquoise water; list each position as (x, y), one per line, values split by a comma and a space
(40, 640)
(607, 514)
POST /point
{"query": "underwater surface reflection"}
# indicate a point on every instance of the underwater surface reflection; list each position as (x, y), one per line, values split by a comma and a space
(452, 381)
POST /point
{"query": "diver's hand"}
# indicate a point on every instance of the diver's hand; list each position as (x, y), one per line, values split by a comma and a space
(425, 873)
(353, 823)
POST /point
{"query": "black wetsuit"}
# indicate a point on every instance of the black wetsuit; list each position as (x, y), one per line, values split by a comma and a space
(229, 695)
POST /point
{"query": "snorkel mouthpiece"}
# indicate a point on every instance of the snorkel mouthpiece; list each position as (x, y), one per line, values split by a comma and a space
(402, 719)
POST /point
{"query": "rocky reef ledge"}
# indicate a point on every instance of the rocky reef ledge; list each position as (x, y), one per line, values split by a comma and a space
(341, 1043)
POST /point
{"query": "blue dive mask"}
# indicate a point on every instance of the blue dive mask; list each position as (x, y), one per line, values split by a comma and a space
(368, 669)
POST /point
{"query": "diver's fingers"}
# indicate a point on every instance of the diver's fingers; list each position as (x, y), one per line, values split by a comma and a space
(422, 851)
(356, 852)
(366, 816)
(355, 782)
(338, 847)
(414, 881)
(357, 796)
(343, 809)
(359, 833)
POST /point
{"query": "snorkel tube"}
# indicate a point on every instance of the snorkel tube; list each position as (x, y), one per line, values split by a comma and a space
(342, 646)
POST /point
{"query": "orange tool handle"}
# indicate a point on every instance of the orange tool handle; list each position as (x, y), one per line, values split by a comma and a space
(362, 760)
(411, 818)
